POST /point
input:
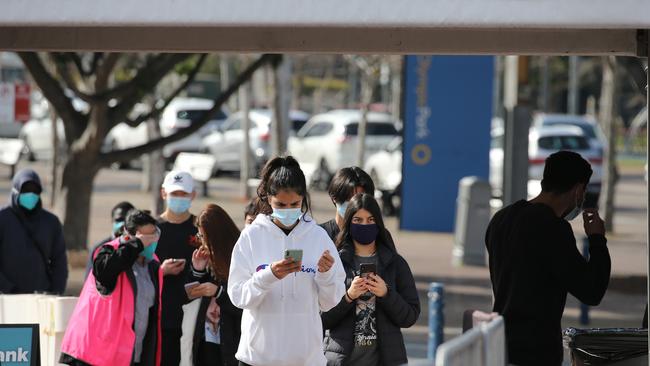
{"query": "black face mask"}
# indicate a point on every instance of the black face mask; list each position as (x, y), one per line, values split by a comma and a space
(364, 234)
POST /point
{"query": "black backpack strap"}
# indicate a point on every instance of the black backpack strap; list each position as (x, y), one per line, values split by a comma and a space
(30, 235)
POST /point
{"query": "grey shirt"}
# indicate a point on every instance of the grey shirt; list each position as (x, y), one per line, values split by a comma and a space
(366, 351)
(144, 301)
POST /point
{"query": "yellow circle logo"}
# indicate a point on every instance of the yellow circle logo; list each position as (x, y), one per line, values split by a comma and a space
(421, 154)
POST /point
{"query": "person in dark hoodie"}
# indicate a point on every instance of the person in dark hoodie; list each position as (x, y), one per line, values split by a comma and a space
(364, 328)
(32, 249)
(118, 216)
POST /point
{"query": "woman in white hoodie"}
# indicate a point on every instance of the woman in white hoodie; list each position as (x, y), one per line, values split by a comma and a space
(282, 298)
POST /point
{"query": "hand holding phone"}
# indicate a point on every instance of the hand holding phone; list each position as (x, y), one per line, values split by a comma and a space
(365, 269)
(295, 254)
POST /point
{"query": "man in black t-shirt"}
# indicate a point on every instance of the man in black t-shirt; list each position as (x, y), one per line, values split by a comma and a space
(534, 261)
(175, 248)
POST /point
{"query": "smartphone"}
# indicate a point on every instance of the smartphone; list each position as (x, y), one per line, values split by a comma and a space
(366, 268)
(190, 286)
(296, 254)
(178, 261)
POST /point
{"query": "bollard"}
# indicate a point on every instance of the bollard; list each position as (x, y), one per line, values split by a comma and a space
(584, 308)
(436, 318)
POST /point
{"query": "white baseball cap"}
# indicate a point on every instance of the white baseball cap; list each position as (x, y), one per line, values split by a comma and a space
(178, 181)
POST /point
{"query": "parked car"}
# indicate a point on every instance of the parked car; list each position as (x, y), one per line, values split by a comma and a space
(328, 142)
(37, 136)
(385, 168)
(226, 143)
(588, 125)
(179, 114)
(542, 142)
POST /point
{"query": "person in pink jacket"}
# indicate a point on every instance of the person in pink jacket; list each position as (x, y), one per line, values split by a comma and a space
(117, 318)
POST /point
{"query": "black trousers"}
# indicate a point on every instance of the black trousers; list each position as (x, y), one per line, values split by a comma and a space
(171, 347)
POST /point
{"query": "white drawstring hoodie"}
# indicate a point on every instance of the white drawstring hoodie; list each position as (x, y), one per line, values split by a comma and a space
(281, 324)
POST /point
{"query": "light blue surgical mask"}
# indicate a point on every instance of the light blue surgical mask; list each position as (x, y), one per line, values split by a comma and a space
(341, 208)
(287, 216)
(28, 200)
(117, 226)
(149, 251)
(179, 205)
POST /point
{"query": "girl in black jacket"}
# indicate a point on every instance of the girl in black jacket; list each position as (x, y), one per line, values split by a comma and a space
(218, 325)
(364, 328)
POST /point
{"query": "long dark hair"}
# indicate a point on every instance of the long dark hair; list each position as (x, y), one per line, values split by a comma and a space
(221, 234)
(282, 173)
(368, 203)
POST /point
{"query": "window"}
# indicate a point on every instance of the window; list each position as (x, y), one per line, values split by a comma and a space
(319, 129)
(195, 114)
(372, 129)
(563, 143)
(297, 124)
(234, 124)
(587, 129)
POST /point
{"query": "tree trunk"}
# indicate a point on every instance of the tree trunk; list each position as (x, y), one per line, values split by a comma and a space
(367, 86)
(608, 111)
(75, 196)
(281, 103)
(156, 169)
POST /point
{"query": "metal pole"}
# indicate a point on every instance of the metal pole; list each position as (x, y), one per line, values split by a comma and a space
(436, 318)
(244, 106)
(574, 86)
(647, 93)
(545, 81)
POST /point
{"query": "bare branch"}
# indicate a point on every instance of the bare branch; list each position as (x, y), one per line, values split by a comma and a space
(73, 120)
(128, 154)
(78, 63)
(62, 67)
(143, 83)
(155, 112)
(104, 71)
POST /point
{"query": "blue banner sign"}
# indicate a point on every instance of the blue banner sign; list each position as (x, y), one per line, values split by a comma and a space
(447, 114)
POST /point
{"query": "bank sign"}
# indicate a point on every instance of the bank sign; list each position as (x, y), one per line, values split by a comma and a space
(447, 115)
(19, 345)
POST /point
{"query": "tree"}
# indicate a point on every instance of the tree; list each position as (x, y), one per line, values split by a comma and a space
(608, 116)
(112, 84)
(370, 67)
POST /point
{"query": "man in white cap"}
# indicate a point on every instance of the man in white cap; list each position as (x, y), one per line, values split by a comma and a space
(175, 248)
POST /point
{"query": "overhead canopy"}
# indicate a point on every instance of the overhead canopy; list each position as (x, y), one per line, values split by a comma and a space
(332, 26)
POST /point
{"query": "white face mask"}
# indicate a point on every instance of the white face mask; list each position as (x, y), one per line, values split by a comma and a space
(575, 212)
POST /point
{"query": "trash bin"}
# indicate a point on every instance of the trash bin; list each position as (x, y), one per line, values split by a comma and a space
(607, 346)
(472, 219)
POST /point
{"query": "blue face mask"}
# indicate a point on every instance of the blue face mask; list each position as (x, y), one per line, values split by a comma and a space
(117, 227)
(341, 208)
(28, 200)
(179, 205)
(287, 216)
(149, 251)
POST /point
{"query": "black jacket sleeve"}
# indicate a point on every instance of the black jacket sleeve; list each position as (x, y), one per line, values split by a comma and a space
(333, 317)
(401, 304)
(111, 262)
(58, 261)
(587, 280)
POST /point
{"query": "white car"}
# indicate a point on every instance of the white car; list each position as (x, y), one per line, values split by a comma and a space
(225, 144)
(543, 142)
(385, 169)
(385, 166)
(588, 125)
(328, 142)
(179, 114)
